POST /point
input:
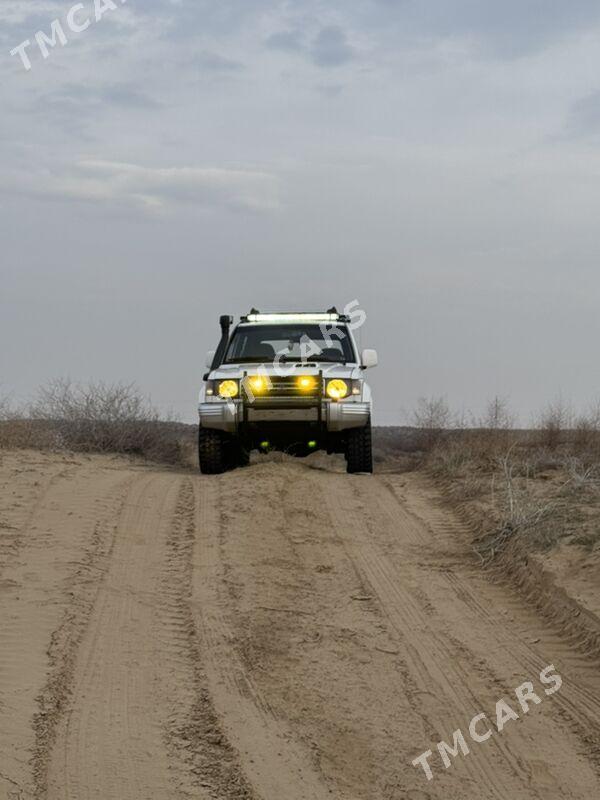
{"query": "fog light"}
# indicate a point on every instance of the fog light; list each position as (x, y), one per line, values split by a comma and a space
(258, 384)
(306, 383)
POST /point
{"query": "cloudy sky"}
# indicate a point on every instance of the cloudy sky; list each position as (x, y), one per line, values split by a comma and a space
(435, 159)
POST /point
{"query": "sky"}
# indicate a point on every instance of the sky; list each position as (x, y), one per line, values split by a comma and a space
(436, 161)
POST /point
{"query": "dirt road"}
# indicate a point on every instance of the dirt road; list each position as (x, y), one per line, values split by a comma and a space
(284, 632)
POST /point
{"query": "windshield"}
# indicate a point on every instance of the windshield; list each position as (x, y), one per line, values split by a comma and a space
(281, 343)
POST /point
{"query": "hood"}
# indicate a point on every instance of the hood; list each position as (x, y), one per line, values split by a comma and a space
(272, 370)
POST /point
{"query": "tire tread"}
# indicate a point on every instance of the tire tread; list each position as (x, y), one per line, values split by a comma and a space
(359, 451)
(212, 452)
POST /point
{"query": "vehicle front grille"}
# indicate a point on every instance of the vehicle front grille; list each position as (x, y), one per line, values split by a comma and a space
(284, 387)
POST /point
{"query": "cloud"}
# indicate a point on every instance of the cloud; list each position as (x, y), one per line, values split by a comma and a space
(584, 116)
(18, 11)
(331, 47)
(72, 107)
(287, 41)
(212, 62)
(155, 189)
(330, 90)
(78, 97)
(21, 20)
(188, 19)
(510, 29)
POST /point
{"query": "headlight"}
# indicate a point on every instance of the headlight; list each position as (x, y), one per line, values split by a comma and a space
(306, 383)
(228, 389)
(337, 389)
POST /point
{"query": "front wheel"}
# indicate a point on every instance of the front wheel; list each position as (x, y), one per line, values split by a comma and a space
(212, 452)
(359, 454)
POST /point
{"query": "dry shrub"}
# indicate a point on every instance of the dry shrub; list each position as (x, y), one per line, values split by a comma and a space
(519, 511)
(20, 433)
(450, 456)
(453, 461)
(555, 422)
(105, 418)
(589, 540)
(476, 447)
(540, 486)
(583, 476)
(5, 409)
(497, 428)
(15, 430)
(586, 430)
(432, 417)
(498, 415)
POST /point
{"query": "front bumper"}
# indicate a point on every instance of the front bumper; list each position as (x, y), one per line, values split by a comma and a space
(219, 416)
(342, 416)
(334, 417)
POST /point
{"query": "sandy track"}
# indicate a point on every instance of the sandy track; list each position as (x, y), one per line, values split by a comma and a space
(277, 632)
(55, 518)
(111, 744)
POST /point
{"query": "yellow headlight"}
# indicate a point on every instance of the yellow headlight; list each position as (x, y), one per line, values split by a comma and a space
(306, 383)
(337, 389)
(258, 384)
(228, 389)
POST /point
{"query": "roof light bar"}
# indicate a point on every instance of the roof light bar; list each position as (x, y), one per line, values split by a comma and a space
(305, 317)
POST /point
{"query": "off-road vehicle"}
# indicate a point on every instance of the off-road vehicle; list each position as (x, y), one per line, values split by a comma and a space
(288, 381)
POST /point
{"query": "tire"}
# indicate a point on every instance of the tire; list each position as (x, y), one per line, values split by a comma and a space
(359, 454)
(212, 452)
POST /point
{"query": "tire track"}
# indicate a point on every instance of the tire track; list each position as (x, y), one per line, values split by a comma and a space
(274, 760)
(62, 530)
(273, 633)
(442, 666)
(201, 756)
(18, 507)
(579, 699)
(65, 641)
(109, 743)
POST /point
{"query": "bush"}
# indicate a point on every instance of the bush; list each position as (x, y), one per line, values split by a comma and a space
(432, 417)
(498, 416)
(587, 429)
(15, 431)
(520, 512)
(105, 418)
(555, 422)
(7, 412)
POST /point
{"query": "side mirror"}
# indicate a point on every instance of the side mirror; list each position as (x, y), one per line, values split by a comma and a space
(369, 359)
(209, 358)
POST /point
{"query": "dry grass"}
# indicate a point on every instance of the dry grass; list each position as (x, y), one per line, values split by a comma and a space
(94, 417)
(15, 430)
(541, 485)
(524, 491)
(431, 418)
(519, 511)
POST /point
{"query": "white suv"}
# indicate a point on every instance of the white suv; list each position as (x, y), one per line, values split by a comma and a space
(291, 382)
